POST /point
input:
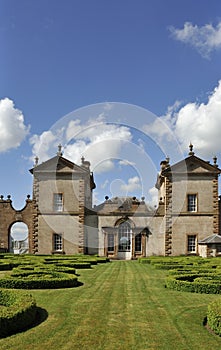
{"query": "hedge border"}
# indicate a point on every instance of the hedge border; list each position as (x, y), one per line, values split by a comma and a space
(18, 311)
(214, 316)
(40, 280)
(186, 283)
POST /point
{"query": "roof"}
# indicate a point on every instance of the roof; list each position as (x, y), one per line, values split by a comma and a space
(193, 165)
(211, 239)
(58, 163)
(61, 166)
(122, 205)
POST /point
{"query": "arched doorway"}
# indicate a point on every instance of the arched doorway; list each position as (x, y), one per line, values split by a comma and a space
(18, 238)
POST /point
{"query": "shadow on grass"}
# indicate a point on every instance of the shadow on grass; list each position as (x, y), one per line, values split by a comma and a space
(41, 316)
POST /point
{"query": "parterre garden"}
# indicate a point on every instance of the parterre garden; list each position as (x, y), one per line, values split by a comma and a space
(18, 310)
(194, 274)
(66, 302)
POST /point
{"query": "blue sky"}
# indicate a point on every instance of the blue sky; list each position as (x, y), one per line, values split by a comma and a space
(61, 56)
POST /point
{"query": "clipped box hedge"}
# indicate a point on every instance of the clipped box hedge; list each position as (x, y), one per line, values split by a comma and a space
(214, 316)
(45, 279)
(17, 311)
(197, 283)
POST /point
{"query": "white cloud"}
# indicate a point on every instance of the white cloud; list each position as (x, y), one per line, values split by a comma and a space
(96, 140)
(126, 162)
(132, 185)
(42, 144)
(153, 196)
(12, 128)
(105, 184)
(205, 39)
(194, 122)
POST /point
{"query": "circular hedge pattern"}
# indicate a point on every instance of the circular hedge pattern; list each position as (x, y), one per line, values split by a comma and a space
(198, 283)
(17, 311)
(38, 279)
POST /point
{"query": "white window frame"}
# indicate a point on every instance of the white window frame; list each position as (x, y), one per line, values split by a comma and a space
(58, 202)
(191, 244)
(192, 202)
(124, 237)
(57, 242)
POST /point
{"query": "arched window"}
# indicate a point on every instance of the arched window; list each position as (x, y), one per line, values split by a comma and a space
(124, 237)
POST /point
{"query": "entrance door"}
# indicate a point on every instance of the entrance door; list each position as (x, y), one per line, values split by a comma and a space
(124, 241)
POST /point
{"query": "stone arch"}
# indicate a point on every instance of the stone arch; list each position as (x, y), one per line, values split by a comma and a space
(18, 238)
(9, 215)
(124, 219)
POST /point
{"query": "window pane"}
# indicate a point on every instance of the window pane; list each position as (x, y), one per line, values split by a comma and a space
(138, 242)
(58, 202)
(110, 243)
(124, 234)
(191, 202)
(58, 242)
(192, 243)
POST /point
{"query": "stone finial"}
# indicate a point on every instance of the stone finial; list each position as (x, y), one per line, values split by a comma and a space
(215, 161)
(168, 160)
(191, 153)
(36, 161)
(85, 163)
(59, 153)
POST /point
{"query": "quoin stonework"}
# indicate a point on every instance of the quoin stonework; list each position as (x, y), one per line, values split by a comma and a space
(61, 218)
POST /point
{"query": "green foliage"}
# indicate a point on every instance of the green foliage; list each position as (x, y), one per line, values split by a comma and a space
(198, 283)
(17, 311)
(38, 279)
(214, 316)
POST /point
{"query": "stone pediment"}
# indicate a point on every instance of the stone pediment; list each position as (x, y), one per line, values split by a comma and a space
(192, 165)
(58, 164)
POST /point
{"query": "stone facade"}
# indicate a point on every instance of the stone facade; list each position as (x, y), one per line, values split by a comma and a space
(61, 219)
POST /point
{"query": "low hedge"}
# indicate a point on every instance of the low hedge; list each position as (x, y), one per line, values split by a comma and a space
(214, 316)
(198, 283)
(40, 279)
(17, 311)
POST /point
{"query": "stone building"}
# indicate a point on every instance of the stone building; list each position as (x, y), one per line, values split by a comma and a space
(62, 220)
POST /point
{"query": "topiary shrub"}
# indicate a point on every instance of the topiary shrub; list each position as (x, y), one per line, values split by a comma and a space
(214, 316)
(17, 311)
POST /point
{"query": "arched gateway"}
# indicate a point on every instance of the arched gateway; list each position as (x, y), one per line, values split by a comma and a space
(9, 216)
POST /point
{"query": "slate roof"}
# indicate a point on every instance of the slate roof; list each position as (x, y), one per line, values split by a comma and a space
(211, 240)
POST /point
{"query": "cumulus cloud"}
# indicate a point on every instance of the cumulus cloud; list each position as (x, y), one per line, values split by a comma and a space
(42, 144)
(132, 185)
(96, 140)
(204, 39)
(199, 123)
(12, 127)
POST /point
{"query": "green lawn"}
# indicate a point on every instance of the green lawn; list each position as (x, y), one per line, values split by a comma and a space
(122, 305)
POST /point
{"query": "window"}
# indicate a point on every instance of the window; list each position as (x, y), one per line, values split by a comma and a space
(138, 238)
(57, 242)
(124, 234)
(110, 242)
(58, 202)
(191, 244)
(192, 202)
